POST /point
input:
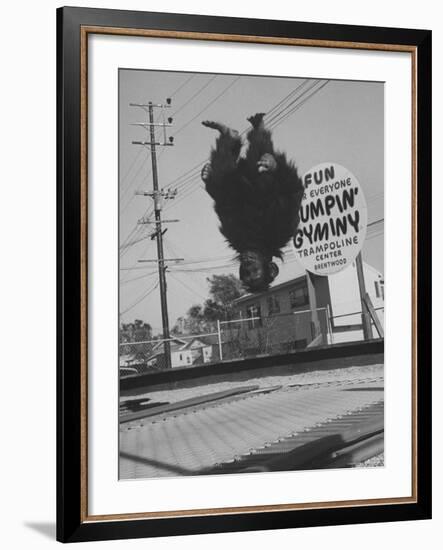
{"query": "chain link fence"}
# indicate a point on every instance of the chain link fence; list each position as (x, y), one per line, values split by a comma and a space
(275, 334)
(245, 338)
(234, 339)
(185, 351)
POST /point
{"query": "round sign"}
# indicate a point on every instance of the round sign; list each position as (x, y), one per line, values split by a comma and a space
(333, 219)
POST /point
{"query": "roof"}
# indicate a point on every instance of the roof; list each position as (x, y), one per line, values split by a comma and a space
(207, 340)
(175, 342)
(291, 282)
(175, 348)
(271, 290)
(192, 439)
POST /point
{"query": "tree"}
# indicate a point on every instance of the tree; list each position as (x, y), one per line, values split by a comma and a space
(138, 331)
(196, 321)
(135, 332)
(179, 327)
(223, 290)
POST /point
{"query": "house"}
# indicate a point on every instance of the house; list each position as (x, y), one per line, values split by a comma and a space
(204, 349)
(180, 355)
(304, 311)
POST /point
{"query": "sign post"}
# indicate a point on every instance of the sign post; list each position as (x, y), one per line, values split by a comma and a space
(365, 318)
(332, 228)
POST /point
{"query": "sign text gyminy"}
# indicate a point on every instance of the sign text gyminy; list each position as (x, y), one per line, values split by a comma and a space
(333, 219)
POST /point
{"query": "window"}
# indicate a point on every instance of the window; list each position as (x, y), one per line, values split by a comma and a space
(380, 289)
(377, 290)
(298, 297)
(254, 315)
(273, 305)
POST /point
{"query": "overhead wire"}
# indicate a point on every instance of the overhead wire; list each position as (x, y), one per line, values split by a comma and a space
(196, 94)
(276, 115)
(289, 113)
(193, 291)
(191, 176)
(175, 92)
(128, 186)
(217, 97)
(133, 231)
(141, 298)
(144, 276)
(132, 164)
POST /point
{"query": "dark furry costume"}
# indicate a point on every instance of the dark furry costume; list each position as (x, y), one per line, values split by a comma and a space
(258, 207)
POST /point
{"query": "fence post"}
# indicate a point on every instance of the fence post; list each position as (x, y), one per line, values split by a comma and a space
(220, 347)
(329, 322)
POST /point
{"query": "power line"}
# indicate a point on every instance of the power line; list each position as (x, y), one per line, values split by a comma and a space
(136, 229)
(203, 269)
(209, 104)
(276, 115)
(134, 177)
(277, 105)
(175, 92)
(132, 243)
(193, 291)
(147, 175)
(381, 220)
(140, 299)
(142, 253)
(197, 93)
(195, 170)
(132, 164)
(297, 106)
(145, 275)
(189, 182)
(132, 233)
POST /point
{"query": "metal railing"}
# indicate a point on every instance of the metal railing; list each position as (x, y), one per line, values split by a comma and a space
(273, 334)
(245, 337)
(233, 339)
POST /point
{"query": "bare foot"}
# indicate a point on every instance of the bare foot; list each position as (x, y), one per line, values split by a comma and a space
(256, 120)
(206, 172)
(267, 163)
(222, 128)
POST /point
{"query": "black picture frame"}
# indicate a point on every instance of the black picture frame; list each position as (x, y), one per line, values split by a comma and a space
(73, 523)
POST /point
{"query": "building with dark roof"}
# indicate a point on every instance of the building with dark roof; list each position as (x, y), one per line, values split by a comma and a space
(305, 311)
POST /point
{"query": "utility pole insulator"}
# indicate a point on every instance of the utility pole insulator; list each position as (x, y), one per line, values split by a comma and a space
(158, 201)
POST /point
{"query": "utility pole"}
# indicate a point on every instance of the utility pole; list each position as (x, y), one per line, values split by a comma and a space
(157, 196)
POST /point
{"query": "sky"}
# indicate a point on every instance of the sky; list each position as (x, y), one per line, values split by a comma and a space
(333, 121)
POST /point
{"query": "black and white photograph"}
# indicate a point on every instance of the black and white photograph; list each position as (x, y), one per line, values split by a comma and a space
(251, 274)
(220, 239)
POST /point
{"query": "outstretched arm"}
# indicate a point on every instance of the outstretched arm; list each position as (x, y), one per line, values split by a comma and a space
(223, 160)
(260, 155)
